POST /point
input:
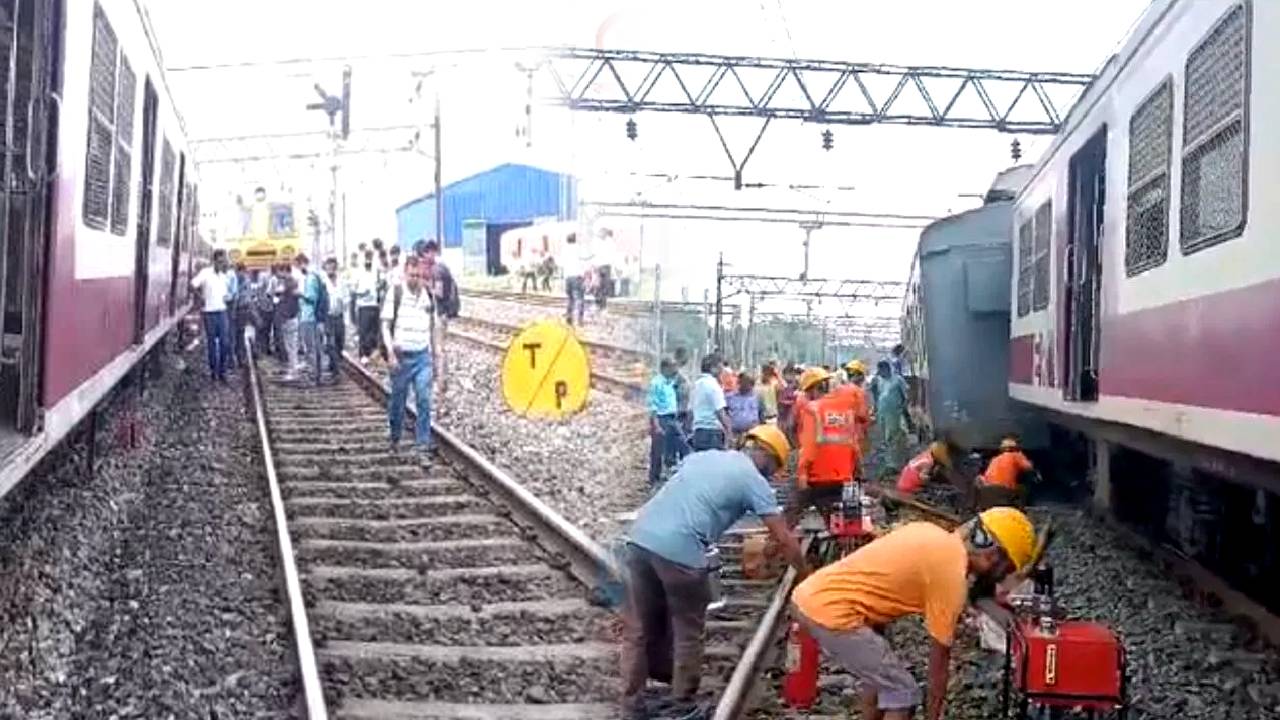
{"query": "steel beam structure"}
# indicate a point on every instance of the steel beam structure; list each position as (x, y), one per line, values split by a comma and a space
(861, 291)
(830, 92)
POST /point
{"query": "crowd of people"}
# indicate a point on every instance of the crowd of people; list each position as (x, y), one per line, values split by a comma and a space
(398, 307)
(722, 442)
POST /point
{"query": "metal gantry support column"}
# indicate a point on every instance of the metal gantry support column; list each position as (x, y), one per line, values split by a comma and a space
(718, 337)
(439, 185)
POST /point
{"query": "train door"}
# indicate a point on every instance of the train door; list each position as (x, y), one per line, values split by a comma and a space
(31, 48)
(141, 270)
(1082, 304)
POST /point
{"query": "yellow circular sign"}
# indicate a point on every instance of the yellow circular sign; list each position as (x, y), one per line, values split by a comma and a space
(546, 372)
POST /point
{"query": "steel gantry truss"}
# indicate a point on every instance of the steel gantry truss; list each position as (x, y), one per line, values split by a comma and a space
(829, 92)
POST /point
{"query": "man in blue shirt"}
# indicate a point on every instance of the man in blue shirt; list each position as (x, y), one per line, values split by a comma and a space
(667, 443)
(711, 426)
(666, 563)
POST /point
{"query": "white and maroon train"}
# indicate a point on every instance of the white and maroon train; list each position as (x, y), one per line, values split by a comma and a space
(101, 212)
(1146, 276)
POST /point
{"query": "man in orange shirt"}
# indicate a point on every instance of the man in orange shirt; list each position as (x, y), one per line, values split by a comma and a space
(828, 434)
(918, 569)
(1000, 484)
(857, 397)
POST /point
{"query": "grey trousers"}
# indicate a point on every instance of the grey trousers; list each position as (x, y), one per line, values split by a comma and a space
(664, 622)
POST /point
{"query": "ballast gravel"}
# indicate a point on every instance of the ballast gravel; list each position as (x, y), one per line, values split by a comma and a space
(149, 589)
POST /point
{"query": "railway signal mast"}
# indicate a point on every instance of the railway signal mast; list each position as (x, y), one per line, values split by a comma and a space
(338, 109)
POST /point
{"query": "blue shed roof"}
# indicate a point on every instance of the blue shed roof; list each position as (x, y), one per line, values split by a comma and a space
(509, 193)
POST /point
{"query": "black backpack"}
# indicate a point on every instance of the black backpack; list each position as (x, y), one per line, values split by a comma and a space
(450, 300)
(322, 300)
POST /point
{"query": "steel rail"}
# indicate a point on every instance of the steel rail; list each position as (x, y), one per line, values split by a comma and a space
(737, 694)
(600, 380)
(312, 692)
(590, 562)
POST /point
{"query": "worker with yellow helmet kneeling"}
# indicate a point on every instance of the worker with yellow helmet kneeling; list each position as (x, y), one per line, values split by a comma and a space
(666, 560)
(917, 569)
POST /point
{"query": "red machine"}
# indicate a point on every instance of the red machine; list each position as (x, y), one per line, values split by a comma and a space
(800, 684)
(1061, 663)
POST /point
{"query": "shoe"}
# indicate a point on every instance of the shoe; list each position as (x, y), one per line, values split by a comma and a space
(428, 456)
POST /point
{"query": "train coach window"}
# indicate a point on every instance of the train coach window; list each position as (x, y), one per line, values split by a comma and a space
(164, 233)
(1040, 271)
(1026, 265)
(126, 88)
(1150, 149)
(1213, 164)
(109, 155)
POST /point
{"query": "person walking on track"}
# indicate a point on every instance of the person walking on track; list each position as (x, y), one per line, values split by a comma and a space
(366, 299)
(415, 342)
(665, 554)
(711, 426)
(889, 393)
(667, 442)
(335, 324)
(214, 284)
(918, 569)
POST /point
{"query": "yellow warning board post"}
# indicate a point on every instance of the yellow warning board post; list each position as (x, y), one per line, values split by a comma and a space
(546, 372)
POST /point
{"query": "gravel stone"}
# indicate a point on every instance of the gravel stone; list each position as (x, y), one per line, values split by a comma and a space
(148, 590)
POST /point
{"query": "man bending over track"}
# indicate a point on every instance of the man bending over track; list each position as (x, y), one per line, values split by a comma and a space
(918, 569)
(666, 560)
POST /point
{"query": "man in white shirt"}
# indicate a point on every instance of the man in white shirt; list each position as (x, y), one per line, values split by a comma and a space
(395, 270)
(335, 323)
(213, 285)
(366, 299)
(415, 340)
(577, 263)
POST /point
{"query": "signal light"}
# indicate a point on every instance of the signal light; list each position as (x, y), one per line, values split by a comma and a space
(828, 139)
(631, 128)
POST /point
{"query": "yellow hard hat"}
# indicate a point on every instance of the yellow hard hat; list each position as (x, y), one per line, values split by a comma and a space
(1013, 531)
(856, 366)
(940, 452)
(1009, 444)
(773, 438)
(813, 376)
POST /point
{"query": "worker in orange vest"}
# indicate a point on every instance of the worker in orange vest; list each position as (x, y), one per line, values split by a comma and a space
(1001, 483)
(861, 403)
(828, 434)
(934, 462)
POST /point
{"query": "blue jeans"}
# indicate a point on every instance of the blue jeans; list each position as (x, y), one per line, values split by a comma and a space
(708, 439)
(576, 290)
(667, 448)
(217, 336)
(415, 369)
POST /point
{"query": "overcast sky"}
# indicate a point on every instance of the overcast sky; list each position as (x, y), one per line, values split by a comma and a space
(908, 170)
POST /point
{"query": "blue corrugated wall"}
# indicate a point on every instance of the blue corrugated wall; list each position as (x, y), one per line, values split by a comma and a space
(506, 194)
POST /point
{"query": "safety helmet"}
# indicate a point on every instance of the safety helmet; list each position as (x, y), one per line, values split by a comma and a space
(940, 452)
(856, 366)
(1011, 529)
(813, 376)
(1009, 444)
(773, 439)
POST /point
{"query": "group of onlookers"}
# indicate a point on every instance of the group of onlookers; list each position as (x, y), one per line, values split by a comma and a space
(399, 307)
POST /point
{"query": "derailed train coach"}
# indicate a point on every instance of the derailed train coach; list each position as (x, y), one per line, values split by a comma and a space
(956, 326)
(1147, 282)
(101, 216)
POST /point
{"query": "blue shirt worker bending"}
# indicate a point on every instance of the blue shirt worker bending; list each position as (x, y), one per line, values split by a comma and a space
(667, 442)
(410, 330)
(666, 558)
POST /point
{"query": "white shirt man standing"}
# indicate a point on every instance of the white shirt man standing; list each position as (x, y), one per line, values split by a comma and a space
(213, 284)
(414, 338)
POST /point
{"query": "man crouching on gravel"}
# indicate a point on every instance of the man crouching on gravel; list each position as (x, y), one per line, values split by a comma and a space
(918, 569)
(666, 562)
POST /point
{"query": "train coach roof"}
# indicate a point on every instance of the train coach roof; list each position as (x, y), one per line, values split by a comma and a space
(986, 225)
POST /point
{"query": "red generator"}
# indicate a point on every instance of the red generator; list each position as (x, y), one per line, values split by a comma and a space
(1066, 665)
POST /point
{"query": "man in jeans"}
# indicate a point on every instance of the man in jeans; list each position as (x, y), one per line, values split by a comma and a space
(214, 285)
(668, 445)
(414, 338)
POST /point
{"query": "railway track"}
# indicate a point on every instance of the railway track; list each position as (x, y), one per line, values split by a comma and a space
(439, 590)
(621, 306)
(614, 368)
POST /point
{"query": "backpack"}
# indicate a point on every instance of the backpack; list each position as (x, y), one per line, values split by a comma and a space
(322, 300)
(450, 300)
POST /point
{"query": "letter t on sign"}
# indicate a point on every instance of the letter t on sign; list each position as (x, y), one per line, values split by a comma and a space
(532, 349)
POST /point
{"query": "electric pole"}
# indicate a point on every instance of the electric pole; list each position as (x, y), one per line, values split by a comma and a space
(719, 302)
(808, 226)
(439, 187)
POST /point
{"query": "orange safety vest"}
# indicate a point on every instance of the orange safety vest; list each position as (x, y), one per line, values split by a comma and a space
(856, 398)
(828, 441)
